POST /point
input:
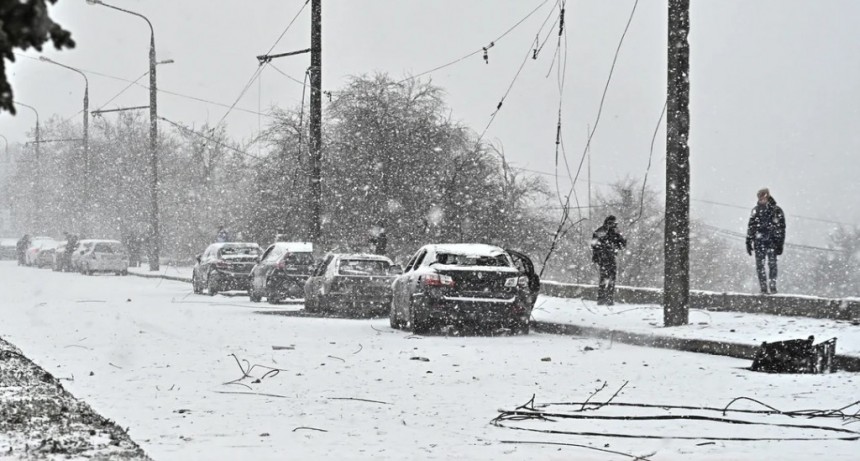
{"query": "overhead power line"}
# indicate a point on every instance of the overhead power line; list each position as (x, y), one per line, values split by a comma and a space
(741, 236)
(209, 138)
(479, 50)
(259, 70)
(160, 90)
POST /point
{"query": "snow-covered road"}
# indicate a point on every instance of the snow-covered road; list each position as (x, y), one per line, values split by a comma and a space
(153, 357)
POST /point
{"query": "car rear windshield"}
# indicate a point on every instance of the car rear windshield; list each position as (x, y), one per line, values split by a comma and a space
(299, 259)
(240, 251)
(109, 247)
(450, 259)
(362, 267)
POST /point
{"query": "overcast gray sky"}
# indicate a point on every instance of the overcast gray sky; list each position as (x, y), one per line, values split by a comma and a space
(774, 83)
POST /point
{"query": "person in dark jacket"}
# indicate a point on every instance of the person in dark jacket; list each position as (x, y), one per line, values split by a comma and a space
(21, 248)
(766, 237)
(605, 243)
(378, 239)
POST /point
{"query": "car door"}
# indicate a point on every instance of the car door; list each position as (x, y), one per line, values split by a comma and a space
(524, 264)
(399, 283)
(206, 263)
(260, 272)
(314, 284)
(410, 282)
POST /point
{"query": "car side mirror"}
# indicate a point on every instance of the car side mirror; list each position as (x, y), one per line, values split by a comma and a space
(396, 269)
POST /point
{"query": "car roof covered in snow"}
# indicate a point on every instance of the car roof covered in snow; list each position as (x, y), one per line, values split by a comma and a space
(220, 245)
(468, 249)
(88, 241)
(8, 242)
(364, 256)
(295, 247)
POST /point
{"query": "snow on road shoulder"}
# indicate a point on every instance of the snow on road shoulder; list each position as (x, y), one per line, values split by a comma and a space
(155, 358)
(718, 326)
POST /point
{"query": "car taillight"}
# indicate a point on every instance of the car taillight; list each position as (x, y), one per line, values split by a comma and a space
(221, 264)
(523, 282)
(437, 280)
(511, 282)
(280, 265)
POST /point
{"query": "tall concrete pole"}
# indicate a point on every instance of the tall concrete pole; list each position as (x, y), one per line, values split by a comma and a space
(154, 228)
(315, 144)
(85, 196)
(36, 222)
(676, 290)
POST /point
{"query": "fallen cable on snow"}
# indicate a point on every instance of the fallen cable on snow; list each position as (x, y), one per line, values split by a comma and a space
(309, 429)
(247, 368)
(358, 399)
(586, 411)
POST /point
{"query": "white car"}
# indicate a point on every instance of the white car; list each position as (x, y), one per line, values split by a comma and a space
(31, 256)
(102, 256)
(8, 248)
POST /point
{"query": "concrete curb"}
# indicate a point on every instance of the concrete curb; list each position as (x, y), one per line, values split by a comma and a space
(175, 278)
(702, 346)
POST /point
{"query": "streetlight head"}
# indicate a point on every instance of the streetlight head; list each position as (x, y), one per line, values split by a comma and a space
(44, 58)
(94, 2)
(166, 61)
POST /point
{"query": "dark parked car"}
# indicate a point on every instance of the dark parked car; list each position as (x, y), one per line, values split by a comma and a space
(282, 272)
(458, 283)
(225, 267)
(358, 284)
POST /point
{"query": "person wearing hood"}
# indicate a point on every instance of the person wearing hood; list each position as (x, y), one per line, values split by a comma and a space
(605, 243)
(766, 238)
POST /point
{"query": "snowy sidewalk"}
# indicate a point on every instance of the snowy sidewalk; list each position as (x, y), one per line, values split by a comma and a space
(643, 323)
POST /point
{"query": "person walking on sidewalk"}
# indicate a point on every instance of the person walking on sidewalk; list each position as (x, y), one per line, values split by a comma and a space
(766, 238)
(605, 243)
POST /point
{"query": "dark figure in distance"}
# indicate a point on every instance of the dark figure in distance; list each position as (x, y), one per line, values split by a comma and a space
(766, 237)
(222, 235)
(71, 246)
(605, 243)
(378, 239)
(21, 248)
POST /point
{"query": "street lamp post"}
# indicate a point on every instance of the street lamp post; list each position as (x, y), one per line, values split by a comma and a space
(154, 231)
(37, 194)
(86, 195)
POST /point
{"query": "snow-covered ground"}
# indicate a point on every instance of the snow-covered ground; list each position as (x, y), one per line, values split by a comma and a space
(154, 357)
(719, 326)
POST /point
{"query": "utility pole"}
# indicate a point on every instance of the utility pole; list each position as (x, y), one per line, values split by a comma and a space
(154, 227)
(315, 143)
(676, 288)
(85, 196)
(37, 182)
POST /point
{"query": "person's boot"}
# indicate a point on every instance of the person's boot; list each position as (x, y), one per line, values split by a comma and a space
(773, 287)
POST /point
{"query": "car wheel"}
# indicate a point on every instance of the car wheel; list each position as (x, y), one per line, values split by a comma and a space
(321, 304)
(310, 306)
(393, 320)
(419, 324)
(520, 327)
(255, 298)
(212, 286)
(272, 296)
(195, 285)
(124, 273)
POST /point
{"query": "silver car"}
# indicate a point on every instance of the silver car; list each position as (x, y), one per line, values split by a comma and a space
(103, 256)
